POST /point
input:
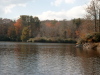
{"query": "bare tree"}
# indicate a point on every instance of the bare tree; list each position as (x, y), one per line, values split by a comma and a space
(99, 19)
(93, 13)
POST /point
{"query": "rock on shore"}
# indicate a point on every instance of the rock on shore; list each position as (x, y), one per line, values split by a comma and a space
(93, 46)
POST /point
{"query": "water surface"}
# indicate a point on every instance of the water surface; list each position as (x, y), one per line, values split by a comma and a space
(47, 59)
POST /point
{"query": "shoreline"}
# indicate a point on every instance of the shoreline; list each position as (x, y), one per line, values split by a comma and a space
(92, 46)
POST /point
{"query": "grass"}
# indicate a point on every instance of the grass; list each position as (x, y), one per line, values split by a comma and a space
(51, 40)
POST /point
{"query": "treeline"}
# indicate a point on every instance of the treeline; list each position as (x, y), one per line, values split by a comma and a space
(20, 30)
(27, 27)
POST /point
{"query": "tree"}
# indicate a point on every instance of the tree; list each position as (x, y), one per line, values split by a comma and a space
(37, 22)
(33, 23)
(35, 28)
(93, 13)
(85, 28)
(25, 20)
(99, 20)
(18, 28)
(25, 34)
(11, 33)
(77, 22)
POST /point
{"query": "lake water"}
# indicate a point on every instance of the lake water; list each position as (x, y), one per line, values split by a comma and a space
(47, 59)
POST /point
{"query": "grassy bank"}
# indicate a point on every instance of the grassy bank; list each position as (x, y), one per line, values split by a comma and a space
(51, 40)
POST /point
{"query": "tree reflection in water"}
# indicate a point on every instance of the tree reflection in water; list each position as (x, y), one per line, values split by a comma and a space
(47, 59)
(90, 61)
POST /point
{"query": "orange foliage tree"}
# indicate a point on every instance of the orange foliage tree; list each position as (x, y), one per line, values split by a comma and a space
(18, 28)
(86, 27)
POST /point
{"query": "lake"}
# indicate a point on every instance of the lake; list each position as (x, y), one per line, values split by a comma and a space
(47, 59)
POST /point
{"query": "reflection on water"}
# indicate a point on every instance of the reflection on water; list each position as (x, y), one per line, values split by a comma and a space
(47, 59)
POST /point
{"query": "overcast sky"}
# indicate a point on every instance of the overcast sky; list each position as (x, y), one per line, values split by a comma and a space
(44, 9)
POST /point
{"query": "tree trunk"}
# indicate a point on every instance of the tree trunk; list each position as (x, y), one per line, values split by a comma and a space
(95, 17)
(99, 20)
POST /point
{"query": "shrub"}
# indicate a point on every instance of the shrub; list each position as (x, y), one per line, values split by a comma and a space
(93, 37)
(52, 40)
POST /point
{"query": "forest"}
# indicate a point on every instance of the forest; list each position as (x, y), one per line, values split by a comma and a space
(31, 29)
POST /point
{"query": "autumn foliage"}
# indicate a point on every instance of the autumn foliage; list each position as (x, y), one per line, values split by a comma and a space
(18, 27)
